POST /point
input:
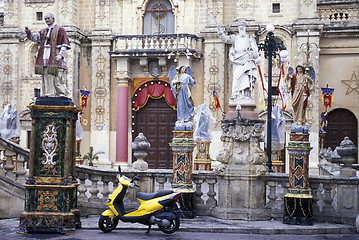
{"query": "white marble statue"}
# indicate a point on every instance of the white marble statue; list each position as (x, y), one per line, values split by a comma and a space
(244, 56)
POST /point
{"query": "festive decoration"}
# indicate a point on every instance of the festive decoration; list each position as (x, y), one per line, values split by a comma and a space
(84, 95)
(216, 102)
(327, 96)
(264, 87)
(282, 88)
(155, 91)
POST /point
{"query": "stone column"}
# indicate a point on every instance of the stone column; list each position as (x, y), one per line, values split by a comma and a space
(122, 77)
(241, 181)
(182, 148)
(298, 202)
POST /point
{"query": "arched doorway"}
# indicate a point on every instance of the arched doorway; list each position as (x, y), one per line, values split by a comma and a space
(156, 119)
(341, 123)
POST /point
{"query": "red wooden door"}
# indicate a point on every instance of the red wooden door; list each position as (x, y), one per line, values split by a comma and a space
(156, 121)
(341, 123)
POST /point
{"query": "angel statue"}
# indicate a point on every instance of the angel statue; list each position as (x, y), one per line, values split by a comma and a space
(181, 80)
(300, 84)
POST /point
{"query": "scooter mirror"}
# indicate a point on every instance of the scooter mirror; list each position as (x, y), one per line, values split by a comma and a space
(136, 178)
(119, 169)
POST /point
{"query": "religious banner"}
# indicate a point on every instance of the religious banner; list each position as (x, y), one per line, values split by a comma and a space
(84, 95)
(216, 103)
(327, 96)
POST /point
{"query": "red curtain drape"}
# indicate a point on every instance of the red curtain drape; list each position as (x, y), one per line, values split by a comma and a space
(155, 91)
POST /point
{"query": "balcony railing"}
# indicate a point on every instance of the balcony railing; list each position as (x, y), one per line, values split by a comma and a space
(146, 45)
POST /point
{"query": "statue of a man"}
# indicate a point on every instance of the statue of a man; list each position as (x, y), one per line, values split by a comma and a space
(50, 62)
(244, 56)
(301, 85)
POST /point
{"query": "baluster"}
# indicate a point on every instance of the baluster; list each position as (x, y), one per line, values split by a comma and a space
(163, 43)
(21, 171)
(145, 45)
(94, 188)
(157, 44)
(314, 189)
(2, 171)
(105, 191)
(199, 192)
(161, 183)
(128, 40)
(272, 196)
(327, 198)
(189, 45)
(211, 201)
(140, 43)
(9, 167)
(152, 43)
(134, 43)
(82, 187)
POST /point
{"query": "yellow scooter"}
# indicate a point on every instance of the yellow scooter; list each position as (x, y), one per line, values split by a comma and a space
(155, 208)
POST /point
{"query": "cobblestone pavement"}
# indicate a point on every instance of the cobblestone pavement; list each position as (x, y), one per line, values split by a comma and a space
(197, 228)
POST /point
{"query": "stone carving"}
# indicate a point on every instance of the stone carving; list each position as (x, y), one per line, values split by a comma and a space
(241, 151)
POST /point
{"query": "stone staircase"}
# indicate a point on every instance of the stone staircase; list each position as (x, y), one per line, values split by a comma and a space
(12, 177)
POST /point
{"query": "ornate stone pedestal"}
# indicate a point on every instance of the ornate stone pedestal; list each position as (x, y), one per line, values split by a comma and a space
(202, 160)
(182, 148)
(51, 190)
(241, 182)
(298, 203)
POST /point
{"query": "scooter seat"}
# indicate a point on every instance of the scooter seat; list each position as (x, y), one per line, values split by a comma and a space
(148, 196)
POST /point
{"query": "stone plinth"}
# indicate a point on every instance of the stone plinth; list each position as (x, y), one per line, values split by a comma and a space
(298, 202)
(51, 189)
(247, 110)
(182, 149)
(202, 161)
(241, 182)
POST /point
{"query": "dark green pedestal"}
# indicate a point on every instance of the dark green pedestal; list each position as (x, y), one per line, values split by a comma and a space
(51, 189)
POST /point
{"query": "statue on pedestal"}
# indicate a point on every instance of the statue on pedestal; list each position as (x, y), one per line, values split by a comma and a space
(181, 81)
(244, 56)
(300, 85)
(50, 62)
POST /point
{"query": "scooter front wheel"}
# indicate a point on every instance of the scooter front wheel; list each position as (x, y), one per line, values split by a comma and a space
(106, 224)
(173, 227)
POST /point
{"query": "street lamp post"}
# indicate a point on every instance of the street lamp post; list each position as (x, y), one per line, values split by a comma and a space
(270, 48)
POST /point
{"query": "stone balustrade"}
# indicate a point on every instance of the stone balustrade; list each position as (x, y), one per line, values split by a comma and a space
(335, 198)
(338, 16)
(97, 184)
(157, 44)
(13, 160)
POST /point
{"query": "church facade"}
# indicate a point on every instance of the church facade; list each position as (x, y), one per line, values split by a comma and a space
(121, 51)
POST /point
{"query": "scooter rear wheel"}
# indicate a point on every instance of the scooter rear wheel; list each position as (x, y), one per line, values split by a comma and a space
(175, 224)
(106, 225)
